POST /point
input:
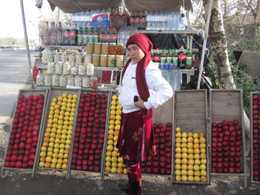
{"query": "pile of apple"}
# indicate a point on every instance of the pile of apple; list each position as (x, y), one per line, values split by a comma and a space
(161, 162)
(226, 147)
(24, 134)
(256, 137)
(90, 131)
(190, 157)
(57, 138)
(114, 163)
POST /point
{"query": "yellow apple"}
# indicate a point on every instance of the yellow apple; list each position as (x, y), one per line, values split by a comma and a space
(197, 178)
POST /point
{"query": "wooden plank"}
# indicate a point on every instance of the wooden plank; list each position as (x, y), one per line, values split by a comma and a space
(190, 105)
(220, 118)
(192, 97)
(190, 117)
(191, 110)
(164, 113)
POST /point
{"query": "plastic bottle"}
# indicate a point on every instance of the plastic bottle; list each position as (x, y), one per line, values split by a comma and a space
(117, 22)
(66, 34)
(165, 75)
(188, 59)
(148, 21)
(80, 36)
(170, 21)
(111, 18)
(132, 19)
(181, 58)
(157, 57)
(176, 19)
(113, 35)
(59, 35)
(121, 35)
(47, 34)
(53, 34)
(178, 81)
(163, 60)
(174, 59)
(164, 20)
(89, 19)
(124, 18)
(169, 60)
(73, 35)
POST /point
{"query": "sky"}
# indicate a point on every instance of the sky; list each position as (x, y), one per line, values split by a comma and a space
(11, 18)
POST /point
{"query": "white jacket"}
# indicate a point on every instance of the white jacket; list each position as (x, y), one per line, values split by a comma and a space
(160, 90)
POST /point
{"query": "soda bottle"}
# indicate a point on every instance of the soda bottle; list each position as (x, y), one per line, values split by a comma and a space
(47, 34)
(157, 57)
(59, 35)
(111, 18)
(96, 35)
(163, 60)
(174, 58)
(91, 36)
(66, 35)
(124, 18)
(181, 58)
(132, 19)
(117, 19)
(143, 20)
(113, 35)
(137, 20)
(188, 59)
(53, 34)
(73, 35)
(80, 36)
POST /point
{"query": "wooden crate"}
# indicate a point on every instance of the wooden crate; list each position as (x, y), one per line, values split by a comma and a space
(108, 99)
(54, 93)
(228, 105)
(191, 115)
(252, 94)
(26, 94)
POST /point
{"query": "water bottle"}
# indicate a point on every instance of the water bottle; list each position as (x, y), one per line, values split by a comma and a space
(170, 20)
(165, 75)
(121, 35)
(164, 20)
(171, 78)
(178, 79)
(176, 20)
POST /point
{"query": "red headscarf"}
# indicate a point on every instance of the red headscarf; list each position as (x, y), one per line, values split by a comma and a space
(146, 45)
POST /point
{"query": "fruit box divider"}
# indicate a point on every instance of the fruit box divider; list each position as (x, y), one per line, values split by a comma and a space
(241, 121)
(25, 92)
(251, 135)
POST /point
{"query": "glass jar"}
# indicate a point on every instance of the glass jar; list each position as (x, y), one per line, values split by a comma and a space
(103, 60)
(74, 70)
(85, 81)
(78, 81)
(119, 61)
(96, 58)
(120, 49)
(58, 68)
(63, 80)
(111, 62)
(55, 80)
(66, 68)
(47, 56)
(64, 57)
(104, 48)
(82, 69)
(71, 80)
(93, 82)
(111, 49)
(90, 48)
(72, 59)
(51, 68)
(57, 57)
(40, 79)
(78, 58)
(47, 80)
(97, 48)
(90, 69)
(87, 58)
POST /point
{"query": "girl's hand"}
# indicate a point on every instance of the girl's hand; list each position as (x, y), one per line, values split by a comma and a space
(140, 103)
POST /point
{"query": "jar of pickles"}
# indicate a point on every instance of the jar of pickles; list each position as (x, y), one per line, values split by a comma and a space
(81, 69)
(55, 80)
(120, 49)
(58, 68)
(71, 80)
(111, 62)
(85, 81)
(119, 61)
(78, 81)
(72, 59)
(111, 49)
(47, 56)
(66, 68)
(90, 69)
(63, 80)
(64, 57)
(78, 58)
(87, 58)
(104, 48)
(74, 70)
(40, 79)
(93, 82)
(47, 80)
(90, 48)
(51, 68)
(57, 57)
(97, 48)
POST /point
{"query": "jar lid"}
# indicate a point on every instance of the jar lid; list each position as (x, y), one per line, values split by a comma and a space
(121, 44)
(104, 43)
(111, 55)
(112, 43)
(97, 43)
(104, 55)
(96, 55)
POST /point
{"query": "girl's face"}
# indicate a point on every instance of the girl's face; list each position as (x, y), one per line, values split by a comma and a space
(135, 52)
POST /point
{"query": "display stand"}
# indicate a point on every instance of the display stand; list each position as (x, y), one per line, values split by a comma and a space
(228, 105)
(26, 93)
(251, 109)
(191, 115)
(54, 93)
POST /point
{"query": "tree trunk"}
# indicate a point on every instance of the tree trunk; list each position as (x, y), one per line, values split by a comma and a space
(218, 41)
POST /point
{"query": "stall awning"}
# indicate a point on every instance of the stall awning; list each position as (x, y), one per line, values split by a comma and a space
(74, 6)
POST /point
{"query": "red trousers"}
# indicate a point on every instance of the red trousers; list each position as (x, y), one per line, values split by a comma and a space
(134, 177)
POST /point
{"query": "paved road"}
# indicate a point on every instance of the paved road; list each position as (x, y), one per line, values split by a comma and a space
(13, 76)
